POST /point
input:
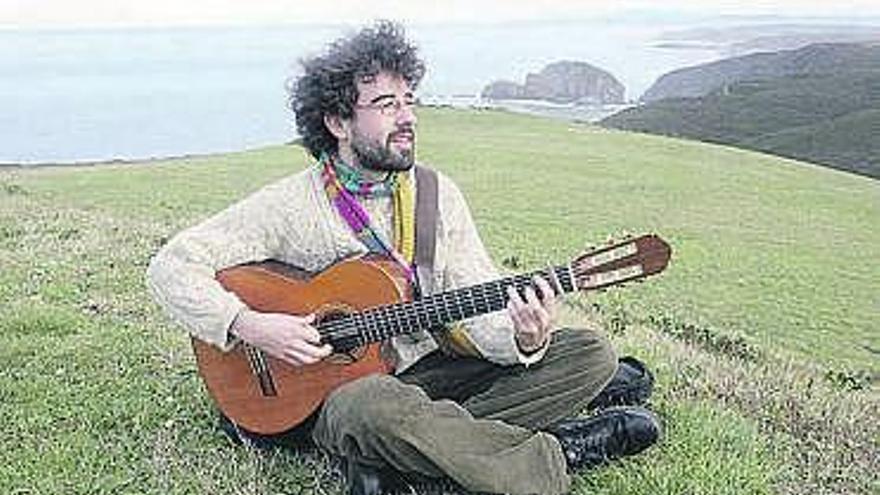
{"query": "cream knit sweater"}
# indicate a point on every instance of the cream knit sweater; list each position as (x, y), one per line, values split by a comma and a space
(293, 221)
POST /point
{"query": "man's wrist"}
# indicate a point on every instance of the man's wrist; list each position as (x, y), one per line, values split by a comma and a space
(237, 327)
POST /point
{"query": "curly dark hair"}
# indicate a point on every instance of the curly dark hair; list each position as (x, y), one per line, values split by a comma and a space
(328, 84)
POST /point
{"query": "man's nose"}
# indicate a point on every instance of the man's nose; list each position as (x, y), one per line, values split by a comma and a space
(406, 114)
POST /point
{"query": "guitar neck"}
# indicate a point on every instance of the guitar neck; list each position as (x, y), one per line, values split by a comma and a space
(435, 311)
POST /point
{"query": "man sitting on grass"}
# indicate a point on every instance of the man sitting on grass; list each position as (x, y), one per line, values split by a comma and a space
(490, 403)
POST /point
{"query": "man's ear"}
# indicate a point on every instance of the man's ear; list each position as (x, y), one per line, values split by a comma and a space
(336, 126)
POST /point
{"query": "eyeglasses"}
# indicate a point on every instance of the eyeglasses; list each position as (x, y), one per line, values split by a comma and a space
(389, 106)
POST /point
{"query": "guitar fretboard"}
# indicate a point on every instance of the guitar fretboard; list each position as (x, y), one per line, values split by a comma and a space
(434, 311)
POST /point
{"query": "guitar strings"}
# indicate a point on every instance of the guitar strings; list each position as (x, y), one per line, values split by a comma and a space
(445, 306)
(374, 326)
(384, 316)
(386, 321)
(403, 317)
(358, 325)
(377, 323)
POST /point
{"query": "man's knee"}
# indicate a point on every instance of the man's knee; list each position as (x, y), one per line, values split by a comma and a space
(372, 402)
(363, 393)
(588, 352)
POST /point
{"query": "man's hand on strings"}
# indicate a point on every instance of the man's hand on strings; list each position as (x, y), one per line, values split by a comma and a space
(287, 337)
(533, 317)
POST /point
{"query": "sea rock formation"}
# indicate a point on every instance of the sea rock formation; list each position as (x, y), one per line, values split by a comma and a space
(562, 82)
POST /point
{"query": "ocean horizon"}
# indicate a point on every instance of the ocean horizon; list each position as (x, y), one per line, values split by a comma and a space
(86, 95)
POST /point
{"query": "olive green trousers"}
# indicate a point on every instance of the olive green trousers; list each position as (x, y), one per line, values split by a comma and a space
(473, 421)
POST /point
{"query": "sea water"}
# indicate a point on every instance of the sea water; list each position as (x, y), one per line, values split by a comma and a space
(78, 95)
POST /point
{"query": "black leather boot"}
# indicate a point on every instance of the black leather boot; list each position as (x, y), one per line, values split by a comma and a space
(613, 433)
(240, 436)
(362, 479)
(631, 385)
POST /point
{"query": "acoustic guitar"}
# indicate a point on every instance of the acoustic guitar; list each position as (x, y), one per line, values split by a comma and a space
(359, 303)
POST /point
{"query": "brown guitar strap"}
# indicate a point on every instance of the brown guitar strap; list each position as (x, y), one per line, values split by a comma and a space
(454, 340)
(427, 210)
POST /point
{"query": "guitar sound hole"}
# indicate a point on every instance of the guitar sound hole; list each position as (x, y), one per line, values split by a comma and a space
(346, 349)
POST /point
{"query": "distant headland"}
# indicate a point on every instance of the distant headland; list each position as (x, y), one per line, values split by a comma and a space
(562, 82)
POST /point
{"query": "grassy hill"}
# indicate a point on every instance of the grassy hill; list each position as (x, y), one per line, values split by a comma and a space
(763, 332)
(825, 114)
(849, 142)
(817, 59)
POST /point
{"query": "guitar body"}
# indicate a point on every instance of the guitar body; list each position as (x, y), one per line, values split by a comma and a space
(363, 301)
(297, 391)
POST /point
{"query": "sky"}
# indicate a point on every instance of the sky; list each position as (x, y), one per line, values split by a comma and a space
(97, 13)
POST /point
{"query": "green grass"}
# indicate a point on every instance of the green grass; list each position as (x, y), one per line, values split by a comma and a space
(732, 458)
(763, 332)
(773, 249)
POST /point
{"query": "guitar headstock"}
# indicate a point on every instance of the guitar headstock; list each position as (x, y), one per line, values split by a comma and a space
(620, 262)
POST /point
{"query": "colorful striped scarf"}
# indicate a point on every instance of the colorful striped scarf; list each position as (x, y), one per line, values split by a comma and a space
(344, 184)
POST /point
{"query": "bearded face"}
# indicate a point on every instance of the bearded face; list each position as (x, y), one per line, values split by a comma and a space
(381, 135)
(395, 153)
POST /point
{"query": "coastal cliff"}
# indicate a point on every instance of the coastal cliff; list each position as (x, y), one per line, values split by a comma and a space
(561, 82)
